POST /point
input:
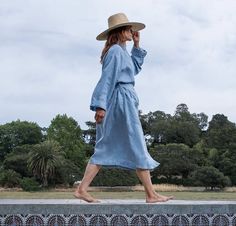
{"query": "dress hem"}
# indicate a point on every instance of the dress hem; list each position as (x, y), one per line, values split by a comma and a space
(123, 167)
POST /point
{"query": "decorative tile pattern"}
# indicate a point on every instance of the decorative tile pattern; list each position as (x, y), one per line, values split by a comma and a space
(140, 220)
(119, 220)
(98, 221)
(234, 221)
(180, 220)
(160, 220)
(77, 220)
(15, 220)
(220, 220)
(56, 220)
(200, 220)
(34, 220)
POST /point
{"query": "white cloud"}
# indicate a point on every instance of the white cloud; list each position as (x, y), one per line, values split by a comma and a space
(49, 58)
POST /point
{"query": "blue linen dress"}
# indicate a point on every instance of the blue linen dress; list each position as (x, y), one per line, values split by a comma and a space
(119, 138)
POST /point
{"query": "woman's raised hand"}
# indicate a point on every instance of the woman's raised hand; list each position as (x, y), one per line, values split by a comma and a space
(136, 38)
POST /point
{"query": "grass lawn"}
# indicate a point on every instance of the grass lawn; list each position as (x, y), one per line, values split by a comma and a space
(117, 195)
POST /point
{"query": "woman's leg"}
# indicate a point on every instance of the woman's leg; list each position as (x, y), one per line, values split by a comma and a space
(151, 195)
(81, 191)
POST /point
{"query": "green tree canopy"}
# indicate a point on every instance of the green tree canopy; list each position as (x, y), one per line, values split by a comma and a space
(66, 131)
(182, 127)
(9, 178)
(227, 162)
(174, 159)
(17, 160)
(90, 133)
(210, 177)
(18, 133)
(186, 126)
(221, 132)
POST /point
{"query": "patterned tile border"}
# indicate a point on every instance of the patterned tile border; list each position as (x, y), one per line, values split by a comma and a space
(118, 220)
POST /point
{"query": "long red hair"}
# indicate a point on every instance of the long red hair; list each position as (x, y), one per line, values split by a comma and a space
(114, 36)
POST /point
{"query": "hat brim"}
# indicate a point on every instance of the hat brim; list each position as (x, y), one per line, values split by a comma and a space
(135, 27)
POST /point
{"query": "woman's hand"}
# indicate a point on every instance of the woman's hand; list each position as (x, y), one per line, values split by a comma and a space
(99, 115)
(136, 38)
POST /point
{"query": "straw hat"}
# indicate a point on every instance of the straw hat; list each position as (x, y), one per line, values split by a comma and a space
(119, 20)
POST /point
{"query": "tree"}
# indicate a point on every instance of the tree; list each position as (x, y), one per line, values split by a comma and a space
(186, 126)
(18, 133)
(66, 131)
(90, 134)
(29, 184)
(174, 159)
(185, 132)
(210, 177)
(9, 178)
(182, 112)
(202, 119)
(201, 153)
(149, 119)
(160, 126)
(227, 163)
(44, 159)
(220, 138)
(17, 160)
(214, 157)
(67, 173)
(221, 132)
(183, 127)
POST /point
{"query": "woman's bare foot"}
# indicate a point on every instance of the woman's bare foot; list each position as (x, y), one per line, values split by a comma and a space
(158, 198)
(83, 195)
(164, 197)
(155, 199)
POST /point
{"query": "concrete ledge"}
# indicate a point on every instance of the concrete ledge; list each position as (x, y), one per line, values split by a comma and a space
(74, 212)
(111, 206)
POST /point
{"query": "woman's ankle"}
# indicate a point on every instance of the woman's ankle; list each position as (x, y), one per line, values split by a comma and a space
(150, 195)
(81, 189)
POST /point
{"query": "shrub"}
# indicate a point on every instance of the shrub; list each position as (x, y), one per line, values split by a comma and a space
(67, 174)
(17, 160)
(210, 177)
(29, 184)
(115, 177)
(9, 178)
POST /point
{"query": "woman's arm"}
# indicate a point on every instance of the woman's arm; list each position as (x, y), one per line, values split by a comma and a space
(137, 53)
(105, 86)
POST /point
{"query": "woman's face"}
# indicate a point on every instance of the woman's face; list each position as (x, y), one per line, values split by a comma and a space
(128, 33)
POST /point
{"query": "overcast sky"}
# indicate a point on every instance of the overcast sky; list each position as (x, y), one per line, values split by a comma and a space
(49, 57)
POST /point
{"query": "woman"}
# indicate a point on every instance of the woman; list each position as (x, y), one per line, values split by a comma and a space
(119, 140)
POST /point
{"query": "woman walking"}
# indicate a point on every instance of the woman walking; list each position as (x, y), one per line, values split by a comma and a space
(119, 136)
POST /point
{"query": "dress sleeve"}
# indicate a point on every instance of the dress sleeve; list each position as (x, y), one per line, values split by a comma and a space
(137, 55)
(110, 70)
